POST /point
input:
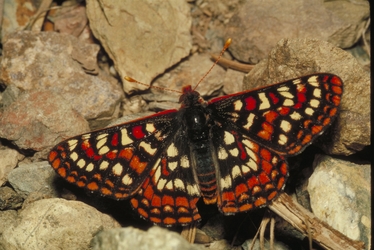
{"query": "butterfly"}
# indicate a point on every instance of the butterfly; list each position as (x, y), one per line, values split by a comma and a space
(230, 151)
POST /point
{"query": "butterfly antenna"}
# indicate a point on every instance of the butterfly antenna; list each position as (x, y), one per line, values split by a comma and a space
(227, 44)
(129, 79)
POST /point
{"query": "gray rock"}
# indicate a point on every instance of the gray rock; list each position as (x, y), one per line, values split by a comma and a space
(55, 224)
(33, 177)
(340, 196)
(131, 238)
(259, 25)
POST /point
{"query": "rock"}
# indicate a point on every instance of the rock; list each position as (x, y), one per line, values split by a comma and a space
(143, 38)
(9, 159)
(132, 238)
(55, 224)
(340, 196)
(33, 177)
(259, 25)
(293, 58)
(9, 199)
(7, 218)
(39, 119)
(58, 62)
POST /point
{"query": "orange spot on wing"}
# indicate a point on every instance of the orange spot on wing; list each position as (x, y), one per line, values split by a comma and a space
(240, 189)
(253, 181)
(266, 166)
(137, 165)
(92, 186)
(126, 153)
(182, 201)
(263, 178)
(148, 193)
(265, 154)
(185, 220)
(169, 221)
(228, 196)
(245, 207)
(111, 155)
(143, 213)
(156, 201)
(260, 201)
(134, 203)
(307, 139)
(167, 200)
(272, 195)
(271, 116)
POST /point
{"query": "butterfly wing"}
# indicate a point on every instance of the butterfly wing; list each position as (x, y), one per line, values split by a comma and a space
(114, 161)
(255, 130)
(146, 159)
(284, 117)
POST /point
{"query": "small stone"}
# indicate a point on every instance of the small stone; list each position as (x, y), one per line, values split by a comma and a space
(55, 224)
(340, 195)
(131, 238)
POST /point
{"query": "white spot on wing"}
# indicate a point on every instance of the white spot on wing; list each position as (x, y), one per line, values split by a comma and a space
(127, 180)
(287, 94)
(309, 111)
(317, 93)
(295, 116)
(222, 153)
(282, 139)
(125, 139)
(250, 119)
(172, 151)
(104, 165)
(72, 144)
(288, 103)
(234, 152)
(235, 172)
(265, 104)
(178, 183)
(150, 127)
(285, 126)
(252, 164)
(161, 184)
(296, 81)
(117, 169)
(229, 138)
(314, 103)
(74, 156)
(313, 81)
(245, 169)
(283, 89)
(81, 163)
(184, 162)
(193, 190)
(103, 150)
(238, 105)
(226, 182)
(147, 148)
(172, 165)
(90, 167)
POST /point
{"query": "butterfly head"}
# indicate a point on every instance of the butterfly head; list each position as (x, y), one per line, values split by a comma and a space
(190, 97)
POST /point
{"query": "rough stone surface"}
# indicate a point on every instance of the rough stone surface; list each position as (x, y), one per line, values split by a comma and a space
(340, 195)
(39, 119)
(32, 177)
(59, 62)
(132, 238)
(7, 218)
(9, 199)
(55, 224)
(297, 57)
(8, 160)
(154, 35)
(259, 25)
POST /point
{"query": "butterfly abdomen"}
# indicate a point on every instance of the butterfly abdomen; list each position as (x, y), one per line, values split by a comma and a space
(198, 130)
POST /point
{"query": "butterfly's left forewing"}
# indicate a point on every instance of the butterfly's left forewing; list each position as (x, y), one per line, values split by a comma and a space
(114, 161)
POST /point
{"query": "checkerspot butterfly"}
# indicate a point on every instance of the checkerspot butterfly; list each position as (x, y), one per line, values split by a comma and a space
(230, 150)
